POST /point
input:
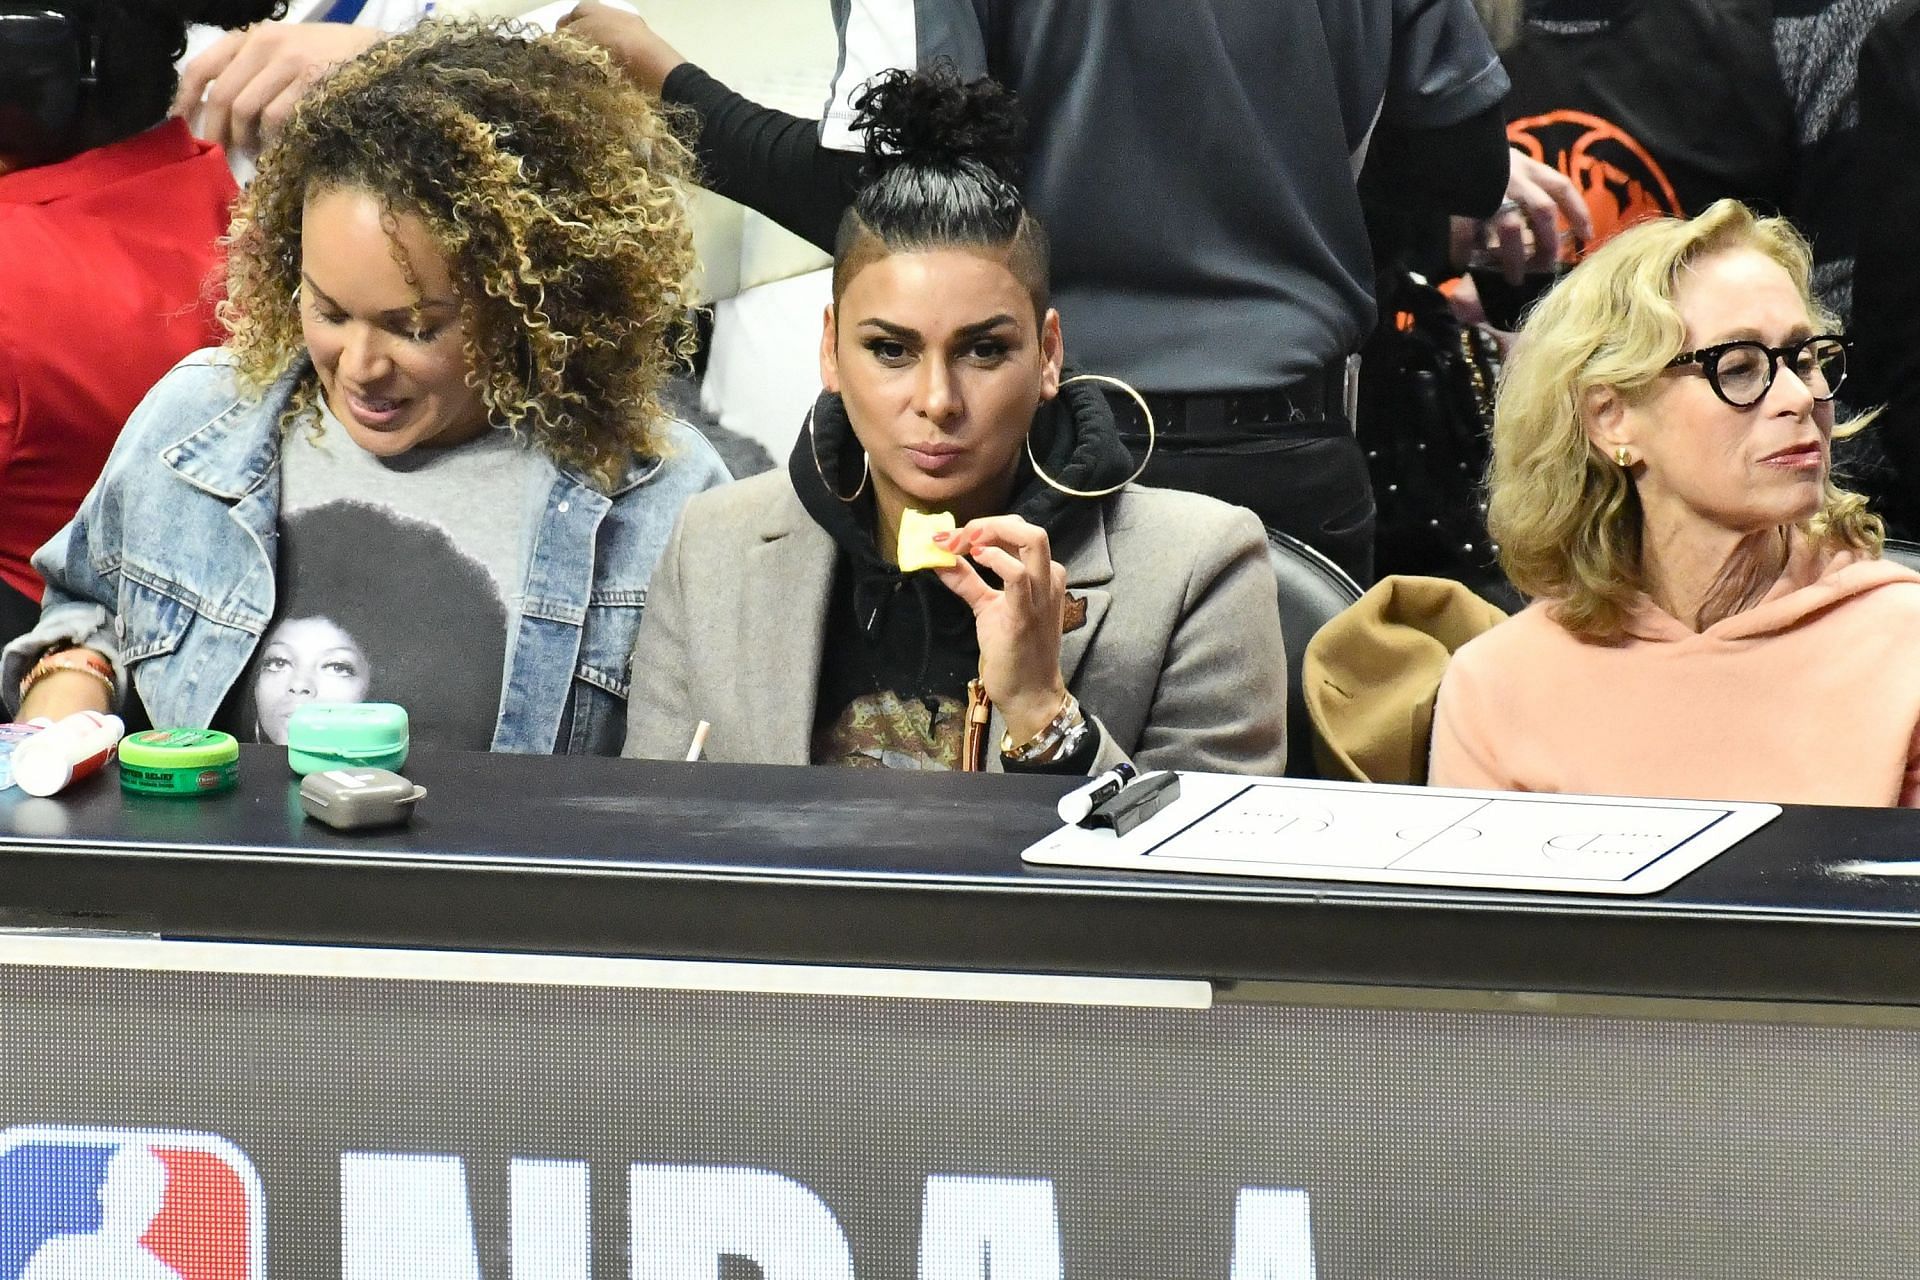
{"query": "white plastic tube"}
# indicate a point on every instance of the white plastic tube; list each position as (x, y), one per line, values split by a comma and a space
(66, 751)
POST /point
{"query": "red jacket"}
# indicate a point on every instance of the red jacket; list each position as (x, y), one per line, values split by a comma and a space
(106, 261)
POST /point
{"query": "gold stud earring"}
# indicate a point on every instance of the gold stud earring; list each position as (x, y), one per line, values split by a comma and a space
(1623, 456)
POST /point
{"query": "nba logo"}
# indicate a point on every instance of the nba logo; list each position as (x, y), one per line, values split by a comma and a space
(127, 1204)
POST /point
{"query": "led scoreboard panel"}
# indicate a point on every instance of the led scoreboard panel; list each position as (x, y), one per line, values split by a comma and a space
(863, 1092)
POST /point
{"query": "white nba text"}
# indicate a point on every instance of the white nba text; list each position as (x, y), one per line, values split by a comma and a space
(407, 1216)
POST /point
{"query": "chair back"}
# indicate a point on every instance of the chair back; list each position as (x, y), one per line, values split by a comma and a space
(1312, 590)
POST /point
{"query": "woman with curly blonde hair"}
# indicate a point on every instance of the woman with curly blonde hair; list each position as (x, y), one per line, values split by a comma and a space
(1711, 617)
(453, 293)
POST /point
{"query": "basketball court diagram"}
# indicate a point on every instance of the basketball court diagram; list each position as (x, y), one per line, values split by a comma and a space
(1414, 835)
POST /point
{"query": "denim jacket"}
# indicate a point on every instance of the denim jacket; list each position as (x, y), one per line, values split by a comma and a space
(168, 567)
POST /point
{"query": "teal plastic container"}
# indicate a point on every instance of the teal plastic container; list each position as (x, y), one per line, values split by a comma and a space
(370, 735)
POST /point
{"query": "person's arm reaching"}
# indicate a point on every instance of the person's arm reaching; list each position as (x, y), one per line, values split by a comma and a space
(241, 89)
(1525, 233)
(1441, 144)
(768, 160)
(636, 48)
(1459, 168)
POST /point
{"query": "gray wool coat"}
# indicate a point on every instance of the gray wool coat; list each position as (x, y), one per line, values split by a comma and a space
(1179, 663)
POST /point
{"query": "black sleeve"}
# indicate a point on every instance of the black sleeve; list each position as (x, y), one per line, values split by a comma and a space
(768, 160)
(1458, 168)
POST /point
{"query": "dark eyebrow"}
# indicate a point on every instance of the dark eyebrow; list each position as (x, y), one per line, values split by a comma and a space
(426, 304)
(974, 330)
(891, 329)
(982, 327)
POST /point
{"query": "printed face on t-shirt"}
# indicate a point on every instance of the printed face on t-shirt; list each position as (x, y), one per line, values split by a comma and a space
(374, 604)
(306, 660)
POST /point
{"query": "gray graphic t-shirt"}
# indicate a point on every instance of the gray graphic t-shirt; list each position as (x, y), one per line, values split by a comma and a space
(395, 582)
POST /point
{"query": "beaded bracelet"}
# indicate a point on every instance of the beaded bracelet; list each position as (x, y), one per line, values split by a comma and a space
(84, 661)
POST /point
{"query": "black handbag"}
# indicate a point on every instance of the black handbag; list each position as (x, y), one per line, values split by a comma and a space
(1424, 418)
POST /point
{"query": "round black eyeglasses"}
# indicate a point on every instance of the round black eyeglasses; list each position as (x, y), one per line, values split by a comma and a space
(1741, 373)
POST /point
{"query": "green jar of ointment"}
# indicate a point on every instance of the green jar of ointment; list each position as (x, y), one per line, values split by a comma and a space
(179, 762)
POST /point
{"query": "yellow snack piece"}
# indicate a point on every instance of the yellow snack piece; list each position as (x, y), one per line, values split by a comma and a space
(916, 549)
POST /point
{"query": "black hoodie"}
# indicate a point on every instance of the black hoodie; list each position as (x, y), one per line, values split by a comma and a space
(900, 648)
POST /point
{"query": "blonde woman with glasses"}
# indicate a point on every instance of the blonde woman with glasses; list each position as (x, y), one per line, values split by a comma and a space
(1711, 615)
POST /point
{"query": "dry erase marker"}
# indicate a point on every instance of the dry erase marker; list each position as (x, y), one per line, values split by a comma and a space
(1081, 801)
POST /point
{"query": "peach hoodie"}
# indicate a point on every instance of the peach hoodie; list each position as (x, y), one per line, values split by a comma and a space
(1810, 697)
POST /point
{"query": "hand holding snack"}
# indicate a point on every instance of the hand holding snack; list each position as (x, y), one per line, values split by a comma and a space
(916, 548)
(1019, 624)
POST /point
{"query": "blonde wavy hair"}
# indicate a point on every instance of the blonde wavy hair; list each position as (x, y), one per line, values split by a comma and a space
(1568, 521)
(548, 183)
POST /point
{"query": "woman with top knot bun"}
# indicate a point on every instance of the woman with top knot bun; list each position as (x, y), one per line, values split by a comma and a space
(109, 217)
(955, 570)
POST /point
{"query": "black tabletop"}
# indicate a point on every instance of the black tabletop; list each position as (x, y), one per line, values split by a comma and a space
(851, 866)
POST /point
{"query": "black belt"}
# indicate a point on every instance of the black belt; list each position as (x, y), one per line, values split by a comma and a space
(1312, 400)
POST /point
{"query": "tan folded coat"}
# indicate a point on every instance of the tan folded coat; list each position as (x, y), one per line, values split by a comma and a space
(1371, 675)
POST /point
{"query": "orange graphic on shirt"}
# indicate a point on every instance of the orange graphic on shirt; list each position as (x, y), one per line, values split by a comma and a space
(1619, 179)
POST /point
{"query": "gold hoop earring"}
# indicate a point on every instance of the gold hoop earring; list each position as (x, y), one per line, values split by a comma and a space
(1623, 456)
(1138, 471)
(813, 448)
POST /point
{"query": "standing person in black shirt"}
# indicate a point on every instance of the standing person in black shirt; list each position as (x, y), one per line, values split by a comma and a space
(1661, 107)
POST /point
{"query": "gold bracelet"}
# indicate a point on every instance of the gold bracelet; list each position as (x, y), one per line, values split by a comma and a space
(1053, 739)
(69, 660)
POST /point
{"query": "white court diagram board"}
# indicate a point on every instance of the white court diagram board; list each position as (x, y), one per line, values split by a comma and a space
(1226, 825)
